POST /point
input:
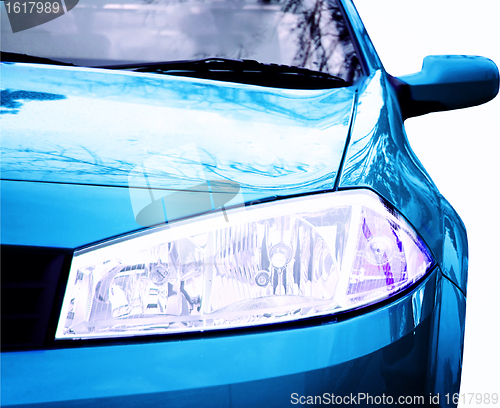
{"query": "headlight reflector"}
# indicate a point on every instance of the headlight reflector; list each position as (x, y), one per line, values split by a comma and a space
(274, 262)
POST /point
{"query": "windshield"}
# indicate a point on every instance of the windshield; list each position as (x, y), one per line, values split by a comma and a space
(303, 33)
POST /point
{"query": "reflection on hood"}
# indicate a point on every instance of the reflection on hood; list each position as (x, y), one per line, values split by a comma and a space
(97, 126)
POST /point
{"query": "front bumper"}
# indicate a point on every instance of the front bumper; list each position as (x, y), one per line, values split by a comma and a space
(410, 347)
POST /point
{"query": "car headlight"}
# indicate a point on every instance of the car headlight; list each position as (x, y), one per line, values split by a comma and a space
(268, 263)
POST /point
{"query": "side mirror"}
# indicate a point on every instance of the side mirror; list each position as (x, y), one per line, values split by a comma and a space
(447, 82)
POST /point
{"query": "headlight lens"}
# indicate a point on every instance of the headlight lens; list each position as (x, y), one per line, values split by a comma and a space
(274, 262)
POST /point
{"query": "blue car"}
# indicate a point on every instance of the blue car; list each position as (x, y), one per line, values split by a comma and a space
(215, 204)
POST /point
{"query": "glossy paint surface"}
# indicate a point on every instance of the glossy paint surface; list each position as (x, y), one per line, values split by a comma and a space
(449, 82)
(99, 126)
(360, 34)
(448, 342)
(63, 215)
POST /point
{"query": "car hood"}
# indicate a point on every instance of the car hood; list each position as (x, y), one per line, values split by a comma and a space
(91, 126)
(79, 131)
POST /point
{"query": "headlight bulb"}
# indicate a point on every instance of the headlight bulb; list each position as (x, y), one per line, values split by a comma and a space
(280, 255)
(158, 274)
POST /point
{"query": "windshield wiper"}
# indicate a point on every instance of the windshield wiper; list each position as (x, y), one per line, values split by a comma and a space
(221, 69)
(15, 57)
(242, 71)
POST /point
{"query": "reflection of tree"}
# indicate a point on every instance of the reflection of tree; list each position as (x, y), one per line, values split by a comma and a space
(60, 159)
(321, 30)
(318, 33)
(10, 100)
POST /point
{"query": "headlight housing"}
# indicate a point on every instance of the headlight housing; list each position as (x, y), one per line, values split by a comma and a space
(267, 263)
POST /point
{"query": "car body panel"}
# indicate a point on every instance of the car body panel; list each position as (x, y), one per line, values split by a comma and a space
(238, 130)
(42, 214)
(455, 260)
(368, 54)
(447, 345)
(387, 334)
